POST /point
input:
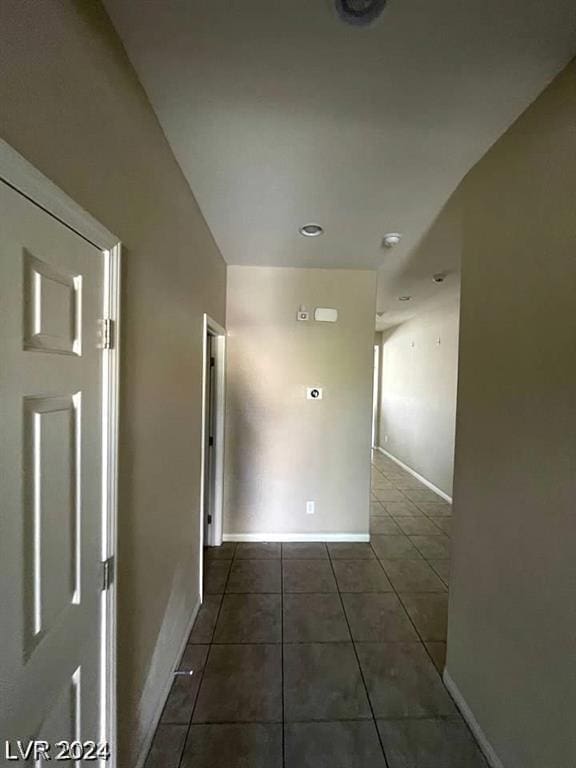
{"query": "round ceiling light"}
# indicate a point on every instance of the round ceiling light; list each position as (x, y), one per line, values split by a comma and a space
(391, 239)
(360, 13)
(404, 298)
(311, 230)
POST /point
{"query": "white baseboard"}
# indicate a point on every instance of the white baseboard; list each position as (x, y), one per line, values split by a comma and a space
(416, 475)
(296, 537)
(487, 748)
(147, 738)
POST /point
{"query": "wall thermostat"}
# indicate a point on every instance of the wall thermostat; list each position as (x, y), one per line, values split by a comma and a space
(325, 315)
(314, 393)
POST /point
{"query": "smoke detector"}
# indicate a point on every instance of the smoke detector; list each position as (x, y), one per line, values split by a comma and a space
(391, 239)
(360, 13)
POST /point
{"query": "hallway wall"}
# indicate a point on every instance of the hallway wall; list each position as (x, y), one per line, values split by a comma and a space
(418, 392)
(512, 611)
(282, 449)
(71, 104)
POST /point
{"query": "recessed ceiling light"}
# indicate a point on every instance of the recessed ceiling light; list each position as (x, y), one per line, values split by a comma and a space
(360, 13)
(404, 298)
(311, 230)
(391, 239)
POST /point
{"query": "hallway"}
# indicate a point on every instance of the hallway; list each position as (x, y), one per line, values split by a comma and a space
(322, 655)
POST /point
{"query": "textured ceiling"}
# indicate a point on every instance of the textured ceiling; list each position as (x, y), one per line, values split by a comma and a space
(279, 114)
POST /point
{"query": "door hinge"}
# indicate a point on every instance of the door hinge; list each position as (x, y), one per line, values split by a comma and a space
(212, 362)
(210, 441)
(107, 333)
(209, 519)
(107, 573)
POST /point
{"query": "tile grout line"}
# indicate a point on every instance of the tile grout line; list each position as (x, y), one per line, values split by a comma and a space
(358, 658)
(210, 645)
(404, 607)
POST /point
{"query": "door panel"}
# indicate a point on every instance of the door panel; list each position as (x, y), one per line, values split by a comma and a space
(51, 514)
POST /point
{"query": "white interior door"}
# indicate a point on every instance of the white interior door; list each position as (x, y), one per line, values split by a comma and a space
(51, 518)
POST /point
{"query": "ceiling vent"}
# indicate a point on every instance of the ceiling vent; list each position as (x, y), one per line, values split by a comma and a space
(360, 13)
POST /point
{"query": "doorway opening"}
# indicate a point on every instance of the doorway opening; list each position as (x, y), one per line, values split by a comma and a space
(213, 384)
(375, 396)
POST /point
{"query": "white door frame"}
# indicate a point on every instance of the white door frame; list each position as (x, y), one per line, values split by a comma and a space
(23, 177)
(211, 328)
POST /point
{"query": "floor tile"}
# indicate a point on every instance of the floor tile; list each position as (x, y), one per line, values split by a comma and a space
(352, 744)
(224, 552)
(435, 509)
(314, 618)
(215, 575)
(444, 524)
(383, 524)
(377, 508)
(412, 576)
(402, 681)
(350, 551)
(404, 508)
(255, 576)
(378, 618)
(182, 696)
(308, 576)
(250, 619)
(203, 628)
(407, 482)
(422, 494)
(442, 568)
(438, 653)
(305, 550)
(322, 681)
(432, 547)
(429, 744)
(234, 745)
(380, 482)
(241, 683)
(361, 576)
(395, 547)
(389, 494)
(258, 551)
(429, 613)
(417, 526)
(167, 746)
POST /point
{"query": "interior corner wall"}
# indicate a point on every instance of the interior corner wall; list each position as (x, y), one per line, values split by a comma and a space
(73, 107)
(418, 373)
(283, 450)
(512, 616)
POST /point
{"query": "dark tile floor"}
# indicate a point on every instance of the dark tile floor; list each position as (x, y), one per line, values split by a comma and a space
(324, 656)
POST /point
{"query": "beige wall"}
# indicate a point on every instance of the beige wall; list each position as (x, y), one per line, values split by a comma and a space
(512, 619)
(418, 392)
(72, 106)
(282, 449)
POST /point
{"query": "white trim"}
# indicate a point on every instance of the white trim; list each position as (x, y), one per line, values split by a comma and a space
(415, 474)
(487, 748)
(148, 738)
(23, 177)
(211, 327)
(29, 181)
(296, 537)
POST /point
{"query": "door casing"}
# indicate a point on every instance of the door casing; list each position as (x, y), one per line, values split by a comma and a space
(210, 328)
(23, 177)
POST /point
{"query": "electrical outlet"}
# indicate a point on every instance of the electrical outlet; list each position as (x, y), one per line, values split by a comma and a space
(310, 507)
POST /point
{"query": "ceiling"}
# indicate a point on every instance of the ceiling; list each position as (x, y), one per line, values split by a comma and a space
(280, 114)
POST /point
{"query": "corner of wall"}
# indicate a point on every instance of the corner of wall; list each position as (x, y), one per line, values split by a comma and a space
(487, 748)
